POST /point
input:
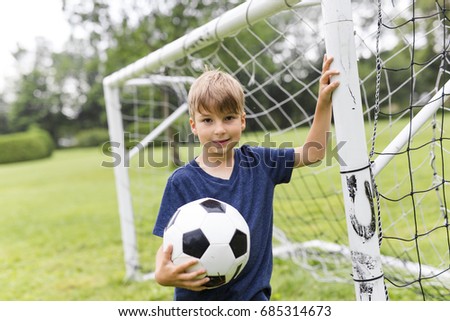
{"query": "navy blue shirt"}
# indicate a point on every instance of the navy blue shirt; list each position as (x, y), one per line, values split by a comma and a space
(250, 189)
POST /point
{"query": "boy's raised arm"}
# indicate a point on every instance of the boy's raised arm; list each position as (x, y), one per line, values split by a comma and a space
(314, 147)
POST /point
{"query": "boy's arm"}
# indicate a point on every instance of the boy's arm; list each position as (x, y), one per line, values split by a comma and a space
(313, 150)
(169, 274)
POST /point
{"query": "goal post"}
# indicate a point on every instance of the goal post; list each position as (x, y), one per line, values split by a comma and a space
(331, 218)
(355, 167)
(117, 146)
(227, 24)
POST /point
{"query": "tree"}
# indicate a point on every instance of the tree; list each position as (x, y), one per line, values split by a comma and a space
(4, 125)
(37, 102)
(63, 92)
(120, 36)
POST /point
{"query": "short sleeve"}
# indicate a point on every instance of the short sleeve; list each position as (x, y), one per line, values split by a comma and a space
(169, 204)
(278, 162)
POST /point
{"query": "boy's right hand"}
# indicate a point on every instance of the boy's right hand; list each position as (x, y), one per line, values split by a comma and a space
(169, 274)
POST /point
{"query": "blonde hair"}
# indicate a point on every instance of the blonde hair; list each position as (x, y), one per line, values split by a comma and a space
(216, 91)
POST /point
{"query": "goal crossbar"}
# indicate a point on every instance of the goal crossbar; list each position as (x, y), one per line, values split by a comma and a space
(159, 80)
(227, 24)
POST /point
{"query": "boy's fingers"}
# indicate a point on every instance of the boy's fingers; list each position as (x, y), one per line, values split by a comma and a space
(194, 277)
(184, 266)
(201, 282)
(326, 77)
(329, 73)
(181, 269)
(195, 274)
(330, 88)
(169, 249)
(168, 252)
(327, 60)
(197, 285)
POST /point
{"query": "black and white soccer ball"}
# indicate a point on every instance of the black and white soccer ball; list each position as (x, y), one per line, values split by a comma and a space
(213, 232)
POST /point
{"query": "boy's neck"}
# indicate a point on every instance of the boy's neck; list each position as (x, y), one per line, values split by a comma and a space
(220, 166)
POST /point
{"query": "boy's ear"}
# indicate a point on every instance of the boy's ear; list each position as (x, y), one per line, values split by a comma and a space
(243, 121)
(193, 128)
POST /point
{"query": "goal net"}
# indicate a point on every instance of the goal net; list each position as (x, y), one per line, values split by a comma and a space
(275, 49)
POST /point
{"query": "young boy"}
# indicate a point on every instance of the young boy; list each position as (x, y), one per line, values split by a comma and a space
(243, 177)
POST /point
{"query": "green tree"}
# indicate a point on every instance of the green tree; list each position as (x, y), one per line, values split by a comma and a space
(37, 102)
(4, 125)
(120, 36)
(63, 92)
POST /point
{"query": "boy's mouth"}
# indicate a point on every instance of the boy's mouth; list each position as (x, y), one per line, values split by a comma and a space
(221, 142)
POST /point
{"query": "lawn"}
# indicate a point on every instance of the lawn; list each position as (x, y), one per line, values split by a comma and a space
(60, 233)
(60, 236)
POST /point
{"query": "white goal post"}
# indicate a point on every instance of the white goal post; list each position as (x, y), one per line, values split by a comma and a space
(361, 198)
(355, 167)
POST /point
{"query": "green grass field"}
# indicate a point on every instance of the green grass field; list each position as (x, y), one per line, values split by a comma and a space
(60, 237)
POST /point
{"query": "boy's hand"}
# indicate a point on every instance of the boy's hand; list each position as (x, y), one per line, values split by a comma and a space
(326, 86)
(169, 274)
(314, 147)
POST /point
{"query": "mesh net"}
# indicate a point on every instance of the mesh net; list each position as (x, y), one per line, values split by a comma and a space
(402, 47)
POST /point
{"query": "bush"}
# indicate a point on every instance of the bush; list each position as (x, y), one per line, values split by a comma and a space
(30, 145)
(92, 137)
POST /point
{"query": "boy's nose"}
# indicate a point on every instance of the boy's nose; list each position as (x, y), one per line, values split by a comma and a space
(219, 128)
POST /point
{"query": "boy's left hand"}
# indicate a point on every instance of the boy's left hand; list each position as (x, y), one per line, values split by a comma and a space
(326, 86)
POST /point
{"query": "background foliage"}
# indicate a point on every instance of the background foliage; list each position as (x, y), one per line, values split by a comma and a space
(62, 91)
(71, 248)
(33, 144)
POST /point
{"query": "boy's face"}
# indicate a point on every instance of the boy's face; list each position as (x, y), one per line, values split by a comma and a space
(218, 133)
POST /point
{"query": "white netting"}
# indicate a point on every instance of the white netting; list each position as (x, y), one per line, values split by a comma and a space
(278, 61)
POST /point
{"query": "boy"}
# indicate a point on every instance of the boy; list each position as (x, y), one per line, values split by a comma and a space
(243, 177)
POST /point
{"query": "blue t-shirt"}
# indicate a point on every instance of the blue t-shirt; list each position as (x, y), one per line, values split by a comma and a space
(250, 189)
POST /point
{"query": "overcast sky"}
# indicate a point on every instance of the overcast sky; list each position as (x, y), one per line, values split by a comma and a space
(21, 21)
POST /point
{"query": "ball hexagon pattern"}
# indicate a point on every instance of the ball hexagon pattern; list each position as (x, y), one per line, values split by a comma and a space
(215, 233)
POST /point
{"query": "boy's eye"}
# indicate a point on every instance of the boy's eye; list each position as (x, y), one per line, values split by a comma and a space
(231, 117)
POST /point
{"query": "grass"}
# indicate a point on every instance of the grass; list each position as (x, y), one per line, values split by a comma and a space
(60, 232)
(59, 224)
(60, 236)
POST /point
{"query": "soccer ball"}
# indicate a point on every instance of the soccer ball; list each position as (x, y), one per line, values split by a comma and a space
(213, 232)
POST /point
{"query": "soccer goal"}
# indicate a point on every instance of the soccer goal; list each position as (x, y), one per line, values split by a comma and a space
(375, 211)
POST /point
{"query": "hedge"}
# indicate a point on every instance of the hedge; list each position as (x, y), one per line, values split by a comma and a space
(25, 146)
(92, 137)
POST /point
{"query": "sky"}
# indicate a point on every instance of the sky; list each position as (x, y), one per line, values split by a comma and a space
(21, 21)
